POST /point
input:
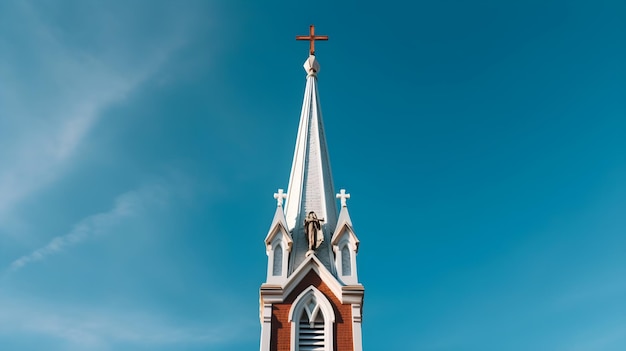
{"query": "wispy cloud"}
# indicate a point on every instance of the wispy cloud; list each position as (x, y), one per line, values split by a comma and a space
(92, 328)
(126, 205)
(53, 93)
(590, 292)
(610, 338)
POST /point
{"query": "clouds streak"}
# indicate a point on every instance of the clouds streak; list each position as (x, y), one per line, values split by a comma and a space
(125, 205)
(58, 92)
(90, 327)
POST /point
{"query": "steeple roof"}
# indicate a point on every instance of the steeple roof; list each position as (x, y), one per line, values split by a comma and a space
(310, 184)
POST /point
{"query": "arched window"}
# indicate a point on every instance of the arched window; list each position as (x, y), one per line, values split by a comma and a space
(346, 264)
(278, 260)
(312, 317)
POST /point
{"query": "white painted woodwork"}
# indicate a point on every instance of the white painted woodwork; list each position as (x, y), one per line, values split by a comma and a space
(278, 245)
(319, 316)
(280, 196)
(357, 338)
(345, 246)
(310, 183)
(343, 196)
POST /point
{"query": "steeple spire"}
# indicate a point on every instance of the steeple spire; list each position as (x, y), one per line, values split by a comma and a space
(310, 184)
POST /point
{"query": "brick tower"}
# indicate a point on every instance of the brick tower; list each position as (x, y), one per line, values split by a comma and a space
(312, 299)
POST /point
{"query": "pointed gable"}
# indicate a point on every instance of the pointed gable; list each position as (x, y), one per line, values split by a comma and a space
(344, 226)
(278, 227)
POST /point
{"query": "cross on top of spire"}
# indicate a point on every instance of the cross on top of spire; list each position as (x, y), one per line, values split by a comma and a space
(312, 38)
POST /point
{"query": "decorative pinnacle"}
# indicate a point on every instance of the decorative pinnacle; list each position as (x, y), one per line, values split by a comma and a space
(280, 196)
(312, 38)
(343, 196)
(311, 66)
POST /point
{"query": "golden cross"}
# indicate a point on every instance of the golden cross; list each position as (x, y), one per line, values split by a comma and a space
(312, 38)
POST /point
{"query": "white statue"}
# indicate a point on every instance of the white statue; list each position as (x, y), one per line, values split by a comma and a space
(313, 230)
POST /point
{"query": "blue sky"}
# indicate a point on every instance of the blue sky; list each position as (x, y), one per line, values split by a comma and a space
(483, 143)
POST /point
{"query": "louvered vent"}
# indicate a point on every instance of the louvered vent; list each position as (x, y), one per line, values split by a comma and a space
(311, 336)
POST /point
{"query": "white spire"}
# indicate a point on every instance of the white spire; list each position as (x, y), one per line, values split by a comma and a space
(310, 184)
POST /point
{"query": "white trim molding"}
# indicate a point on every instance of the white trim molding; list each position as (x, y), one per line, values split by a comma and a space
(357, 337)
(266, 326)
(277, 293)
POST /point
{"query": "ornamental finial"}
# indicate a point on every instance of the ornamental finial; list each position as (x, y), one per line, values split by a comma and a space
(343, 196)
(280, 196)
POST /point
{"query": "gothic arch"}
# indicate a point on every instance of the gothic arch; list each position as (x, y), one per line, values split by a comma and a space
(313, 307)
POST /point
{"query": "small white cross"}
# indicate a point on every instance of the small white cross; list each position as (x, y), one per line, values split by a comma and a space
(343, 196)
(280, 196)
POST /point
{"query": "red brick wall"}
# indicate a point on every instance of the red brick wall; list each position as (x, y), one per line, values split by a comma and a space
(281, 327)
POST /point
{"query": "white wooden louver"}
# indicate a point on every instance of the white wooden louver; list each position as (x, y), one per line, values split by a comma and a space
(311, 335)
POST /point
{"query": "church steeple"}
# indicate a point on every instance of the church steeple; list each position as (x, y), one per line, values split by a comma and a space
(310, 184)
(312, 299)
